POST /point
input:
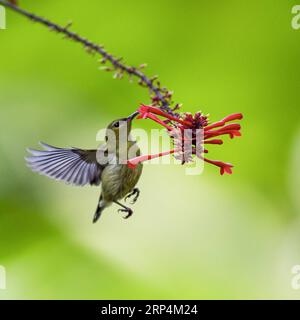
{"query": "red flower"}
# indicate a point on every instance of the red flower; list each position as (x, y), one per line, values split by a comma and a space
(189, 134)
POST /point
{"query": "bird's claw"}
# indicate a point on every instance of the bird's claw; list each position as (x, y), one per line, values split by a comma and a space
(136, 193)
(129, 212)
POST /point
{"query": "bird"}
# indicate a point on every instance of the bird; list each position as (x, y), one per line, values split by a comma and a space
(105, 166)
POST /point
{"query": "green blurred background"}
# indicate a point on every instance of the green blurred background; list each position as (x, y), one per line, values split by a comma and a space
(207, 236)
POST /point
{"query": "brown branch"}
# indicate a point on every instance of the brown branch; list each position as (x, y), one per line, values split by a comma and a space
(160, 96)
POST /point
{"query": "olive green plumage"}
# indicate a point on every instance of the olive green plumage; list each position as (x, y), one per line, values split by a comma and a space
(118, 180)
(106, 166)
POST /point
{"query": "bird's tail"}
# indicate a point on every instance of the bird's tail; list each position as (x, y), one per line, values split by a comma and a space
(100, 207)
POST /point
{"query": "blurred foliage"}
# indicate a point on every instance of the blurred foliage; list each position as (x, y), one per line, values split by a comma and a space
(191, 236)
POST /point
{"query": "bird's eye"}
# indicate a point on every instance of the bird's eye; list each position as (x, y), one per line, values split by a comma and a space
(116, 124)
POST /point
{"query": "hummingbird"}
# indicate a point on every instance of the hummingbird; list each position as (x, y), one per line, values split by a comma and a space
(95, 167)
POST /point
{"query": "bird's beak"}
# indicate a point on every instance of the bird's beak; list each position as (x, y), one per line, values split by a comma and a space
(132, 116)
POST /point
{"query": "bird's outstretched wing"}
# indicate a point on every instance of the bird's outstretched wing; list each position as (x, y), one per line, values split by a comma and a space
(74, 166)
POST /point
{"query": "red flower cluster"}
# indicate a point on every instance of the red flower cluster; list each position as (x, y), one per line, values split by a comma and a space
(200, 132)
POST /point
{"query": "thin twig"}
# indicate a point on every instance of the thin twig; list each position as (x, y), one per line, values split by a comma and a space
(160, 96)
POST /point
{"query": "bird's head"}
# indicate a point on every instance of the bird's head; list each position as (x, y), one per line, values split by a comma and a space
(121, 126)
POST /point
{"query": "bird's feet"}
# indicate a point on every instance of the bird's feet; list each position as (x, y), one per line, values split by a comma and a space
(136, 193)
(128, 210)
